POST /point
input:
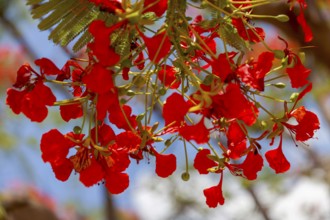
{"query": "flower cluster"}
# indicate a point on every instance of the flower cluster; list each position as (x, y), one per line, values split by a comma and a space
(194, 69)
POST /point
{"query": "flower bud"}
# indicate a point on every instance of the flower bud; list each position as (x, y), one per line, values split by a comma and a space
(130, 93)
(282, 18)
(263, 124)
(185, 176)
(279, 54)
(77, 130)
(294, 96)
(279, 85)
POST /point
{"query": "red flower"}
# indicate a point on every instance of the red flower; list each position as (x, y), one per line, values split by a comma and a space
(308, 123)
(233, 105)
(214, 195)
(253, 73)
(202, 162)
(277, 160)
(31, 102)
(165, 163)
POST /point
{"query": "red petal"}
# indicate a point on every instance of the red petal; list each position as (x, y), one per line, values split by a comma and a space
(197, 132)
(202, 163)
(247, 34)
(105, 134)
(307, 30)
(158, 46)
(129, 140)
(111, 6)
(125, 72)
(252, 164)
(157, 6)
(116, 182)
(23, 76)
(298, 74)
(47, 67)
(34, 108)
(104, 101)
(308, 123)
(99, 79)
(120, 159)
(34, 103)
(14, 100)
(62, 169)
(117, 117)
(165, 164)
(253, 74)
(233, 104)
(54, 146)
(222, 66)
(92, 174)
(236, 140)
(139, 61)
(167, 75)
(277, 160)
(72, 111)
(214, 195)
(101, 46)
(257, 35)
(174, 110)
(44, 93)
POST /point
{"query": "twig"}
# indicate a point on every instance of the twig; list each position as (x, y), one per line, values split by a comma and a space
(261, 208)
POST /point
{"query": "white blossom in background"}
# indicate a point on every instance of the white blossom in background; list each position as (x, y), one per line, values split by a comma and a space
(301, 199)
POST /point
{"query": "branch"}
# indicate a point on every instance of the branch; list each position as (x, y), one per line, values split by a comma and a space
(261, 208)
(17, 35)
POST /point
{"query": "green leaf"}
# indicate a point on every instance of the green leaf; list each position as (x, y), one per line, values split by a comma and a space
(229, 35)
(33, 2)
(70, 18)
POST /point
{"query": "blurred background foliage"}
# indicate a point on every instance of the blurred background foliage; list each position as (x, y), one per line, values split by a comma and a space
(28, 186)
